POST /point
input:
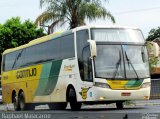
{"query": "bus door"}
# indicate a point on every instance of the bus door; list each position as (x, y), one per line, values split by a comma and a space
(87, 75)
(85, 63)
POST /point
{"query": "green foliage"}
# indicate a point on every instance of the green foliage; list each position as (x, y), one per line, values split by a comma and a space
(73, 12)
(14, 33)
(153, 34)
(153, 61)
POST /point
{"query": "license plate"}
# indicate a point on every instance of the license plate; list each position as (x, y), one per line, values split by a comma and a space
(125, 94)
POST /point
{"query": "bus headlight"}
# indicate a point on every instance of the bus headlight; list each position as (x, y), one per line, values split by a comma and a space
(102, 85)
(146, 85)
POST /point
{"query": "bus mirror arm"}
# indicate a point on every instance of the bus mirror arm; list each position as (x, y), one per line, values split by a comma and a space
(93, 48)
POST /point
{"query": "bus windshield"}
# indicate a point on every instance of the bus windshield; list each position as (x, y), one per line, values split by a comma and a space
(136, 61)
(121, 62)
(108, 63)
(120, 53)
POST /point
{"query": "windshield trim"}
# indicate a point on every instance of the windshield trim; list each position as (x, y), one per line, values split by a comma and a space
(119, 43)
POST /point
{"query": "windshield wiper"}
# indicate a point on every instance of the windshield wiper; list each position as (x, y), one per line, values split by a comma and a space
(129, 62)
(117, 66)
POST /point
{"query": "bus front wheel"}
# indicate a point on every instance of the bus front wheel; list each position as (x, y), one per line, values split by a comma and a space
(119, 105)
(72, 99)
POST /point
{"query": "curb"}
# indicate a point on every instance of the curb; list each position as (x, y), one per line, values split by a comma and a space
(147, 103)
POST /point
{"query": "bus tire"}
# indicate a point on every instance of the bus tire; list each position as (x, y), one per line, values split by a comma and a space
(72, 99)
(119, 105)
(57, 106)
(23, 105)
(15, 103)
(21, 101)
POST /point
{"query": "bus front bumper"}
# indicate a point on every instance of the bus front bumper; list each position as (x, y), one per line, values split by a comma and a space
(104, 94)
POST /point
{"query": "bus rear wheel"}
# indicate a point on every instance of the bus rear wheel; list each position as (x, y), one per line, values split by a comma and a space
(21, 101)
(22, 104)
(72, 99)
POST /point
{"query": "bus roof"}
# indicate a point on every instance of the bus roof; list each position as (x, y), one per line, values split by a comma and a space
(58, 34)
(99, 26)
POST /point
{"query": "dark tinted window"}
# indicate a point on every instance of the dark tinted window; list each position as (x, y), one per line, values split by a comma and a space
(87, 66)
(83, 53)
(20, 59)
(67, 46)
(55, 49)
(31, 54)
(10, 60)
(82, 37)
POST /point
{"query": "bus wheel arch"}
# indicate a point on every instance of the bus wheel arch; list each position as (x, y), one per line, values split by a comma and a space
(13, 95)
(72, 98)
(67, 93)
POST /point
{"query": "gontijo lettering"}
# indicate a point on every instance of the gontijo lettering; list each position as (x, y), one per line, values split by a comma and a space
(26, 73)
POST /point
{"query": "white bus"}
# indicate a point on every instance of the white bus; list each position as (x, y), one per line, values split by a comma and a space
(89, 65)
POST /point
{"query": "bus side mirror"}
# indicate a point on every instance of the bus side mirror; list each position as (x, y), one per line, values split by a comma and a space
(154, 49)
(93, 48)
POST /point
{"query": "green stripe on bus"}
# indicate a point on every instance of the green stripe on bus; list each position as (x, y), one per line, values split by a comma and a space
(134, 83)
(49, 77)
(44, 78)
(53, 77)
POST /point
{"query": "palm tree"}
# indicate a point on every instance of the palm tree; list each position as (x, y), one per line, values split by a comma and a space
(73, 12)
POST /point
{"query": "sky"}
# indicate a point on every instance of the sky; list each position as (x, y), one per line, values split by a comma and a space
(144, 14)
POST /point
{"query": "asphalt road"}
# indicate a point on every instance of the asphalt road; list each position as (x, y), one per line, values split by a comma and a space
(87, 112)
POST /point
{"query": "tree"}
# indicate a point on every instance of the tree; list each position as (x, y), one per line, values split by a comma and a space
(153, 34)
(73, 12)
(153, 60)
(14, 33)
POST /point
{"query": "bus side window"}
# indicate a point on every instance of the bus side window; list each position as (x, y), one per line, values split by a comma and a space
(81, 37)
(87, 65)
